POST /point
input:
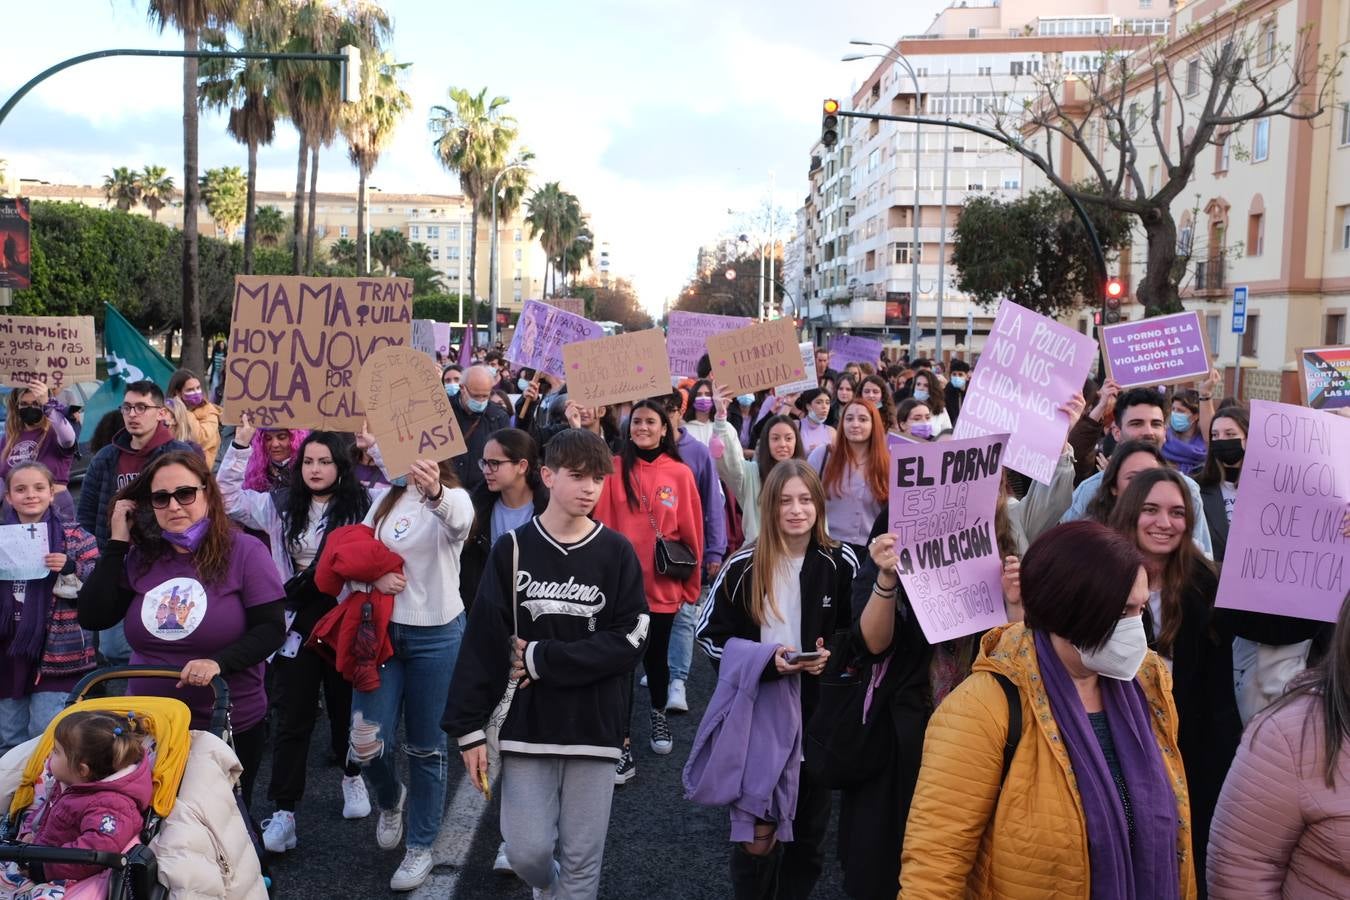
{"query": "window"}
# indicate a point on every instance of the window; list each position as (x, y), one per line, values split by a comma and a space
(1223, 152)
(1343, 225)
(414, 232)
(452, 233)
(1145, 4)
(1199, 281)
(1269, 45)
(1335, 330)
(1152, 180)
(1261, 145)
(342, 231)
(518, 235)
(1212, 323)
(435, 254)
(1345, 124)
(433, 232)
(1256, 234)
(902, 255)
(873, 159)
(1249, 340)
(520, 254)
(985, 70)
(1012, 182)
(1017, 67)
(516, 294)
(517, 276)
(1192, 78)
(1185, 239)
(452, 253)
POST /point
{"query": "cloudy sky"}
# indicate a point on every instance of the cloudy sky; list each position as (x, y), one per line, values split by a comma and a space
(659, 114)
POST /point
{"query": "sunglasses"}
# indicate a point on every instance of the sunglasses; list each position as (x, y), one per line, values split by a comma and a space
(183, 496)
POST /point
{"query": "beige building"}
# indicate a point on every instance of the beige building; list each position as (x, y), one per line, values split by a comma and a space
(442, 222)
(1268, 206)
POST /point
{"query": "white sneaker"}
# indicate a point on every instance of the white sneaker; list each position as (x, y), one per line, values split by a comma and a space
(501, 865)
(414, 869)
(662, 742)
(279, 832)
(676, 701)
(355, 798)
(389, 826)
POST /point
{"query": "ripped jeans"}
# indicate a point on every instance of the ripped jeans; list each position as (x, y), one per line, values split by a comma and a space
(414, 685)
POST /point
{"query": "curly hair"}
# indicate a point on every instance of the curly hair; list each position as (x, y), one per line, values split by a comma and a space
(258, 470)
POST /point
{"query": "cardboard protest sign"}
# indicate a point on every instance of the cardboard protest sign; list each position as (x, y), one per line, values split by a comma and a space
(1030, 366)
(22, 552)
(424, 336)
(808, 379)
(1325, 377)
(756, 357)
(943, 497)
(1162, 350)
(296, 345)
(1286, 553)
(847, 348)
(575, 305)
(687, 336)
(55, 350)
(614, 369)
(407, 409)
(541, 333)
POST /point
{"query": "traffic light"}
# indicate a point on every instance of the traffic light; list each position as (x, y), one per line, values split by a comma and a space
(829, 123)
(1115, 291)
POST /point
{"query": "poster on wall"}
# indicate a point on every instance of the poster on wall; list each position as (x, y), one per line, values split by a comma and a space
(1325, 377)
(16, 244)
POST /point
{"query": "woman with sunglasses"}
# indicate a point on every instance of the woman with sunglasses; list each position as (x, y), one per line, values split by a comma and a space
(195, 595)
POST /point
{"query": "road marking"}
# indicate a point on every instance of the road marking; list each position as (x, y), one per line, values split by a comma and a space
(463, 816)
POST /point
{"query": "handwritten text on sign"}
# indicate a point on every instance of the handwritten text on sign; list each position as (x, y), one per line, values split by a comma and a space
(614, 369)
(1030, 366)
(756, 357)
(1286, 552)
(849, 348)
(296, 345)
(1162, 350)
(542, 332)
(56, 350)
(687, 336)
(943, 498)
(407, 409)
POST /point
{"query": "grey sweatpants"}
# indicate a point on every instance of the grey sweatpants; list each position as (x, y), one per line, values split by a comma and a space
(553, 804)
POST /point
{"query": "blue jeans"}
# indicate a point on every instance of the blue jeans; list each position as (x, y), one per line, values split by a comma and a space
(682, 638)
(113, 646)
(22, 718)
(414, 685)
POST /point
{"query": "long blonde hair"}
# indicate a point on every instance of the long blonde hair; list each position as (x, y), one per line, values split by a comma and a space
(184, 426)
(771, 546)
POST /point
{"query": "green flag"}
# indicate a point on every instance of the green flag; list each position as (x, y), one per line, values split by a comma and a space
(130, 358)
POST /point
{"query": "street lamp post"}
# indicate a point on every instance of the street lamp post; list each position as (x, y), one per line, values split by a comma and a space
(894, 54)
(492, 265)
(369, 188)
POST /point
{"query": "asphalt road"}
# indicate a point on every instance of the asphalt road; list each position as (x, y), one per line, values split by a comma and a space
(660, 846)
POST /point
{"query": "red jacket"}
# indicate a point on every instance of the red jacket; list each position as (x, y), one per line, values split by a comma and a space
(672, 498)
(97, 815)
(354, 635)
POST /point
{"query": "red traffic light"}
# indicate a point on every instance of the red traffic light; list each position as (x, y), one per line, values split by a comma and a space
(1114, 288)
(731, 274)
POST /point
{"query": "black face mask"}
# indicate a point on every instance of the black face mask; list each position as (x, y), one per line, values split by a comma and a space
(30, 415)
(1228, 451)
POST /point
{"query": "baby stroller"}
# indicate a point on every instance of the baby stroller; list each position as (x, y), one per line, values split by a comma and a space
(135, 871)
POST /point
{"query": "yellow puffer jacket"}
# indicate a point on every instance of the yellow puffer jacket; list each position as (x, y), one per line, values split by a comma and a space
(964, 839)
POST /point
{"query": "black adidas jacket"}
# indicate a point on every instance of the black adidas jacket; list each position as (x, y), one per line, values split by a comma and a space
(583, 612)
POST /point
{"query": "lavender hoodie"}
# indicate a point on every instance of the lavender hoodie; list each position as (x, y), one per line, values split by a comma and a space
(748, 751)
(699, 460)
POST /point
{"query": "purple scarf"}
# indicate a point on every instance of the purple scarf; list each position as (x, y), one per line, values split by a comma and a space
(26, 637)
(1121, 869)
(1188, 455)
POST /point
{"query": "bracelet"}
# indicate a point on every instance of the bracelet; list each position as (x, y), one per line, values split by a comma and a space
(1206, 398)
(884, 592)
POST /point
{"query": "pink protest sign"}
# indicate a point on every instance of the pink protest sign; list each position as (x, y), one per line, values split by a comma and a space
(1030, 366)
(687, 336)
(542, 332)
(943, 497)
(1286, 552)
(1161, 350)
(847, 348)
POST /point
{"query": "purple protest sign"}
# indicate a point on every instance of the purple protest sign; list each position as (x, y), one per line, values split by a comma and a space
(541, 333)
(847, 348)
(1286, 552)
(1030, 366)
(687, 336)
(943, 498)
(443, 339)
(1162, 350)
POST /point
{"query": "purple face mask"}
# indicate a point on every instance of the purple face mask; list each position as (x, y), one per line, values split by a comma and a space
(191, 539)
(703, 404)
(193, 398)
(923, 430)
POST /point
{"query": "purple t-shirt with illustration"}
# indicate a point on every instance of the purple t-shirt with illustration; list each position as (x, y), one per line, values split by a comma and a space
(175, 618)
(35, 444)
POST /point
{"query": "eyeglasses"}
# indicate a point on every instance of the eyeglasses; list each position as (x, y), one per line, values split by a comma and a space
(492, 465)
(138, 409)
(183, 496)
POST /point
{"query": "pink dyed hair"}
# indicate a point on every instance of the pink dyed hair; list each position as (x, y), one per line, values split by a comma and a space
(255, 472)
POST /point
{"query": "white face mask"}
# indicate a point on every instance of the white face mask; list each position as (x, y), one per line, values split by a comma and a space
(1123, 652)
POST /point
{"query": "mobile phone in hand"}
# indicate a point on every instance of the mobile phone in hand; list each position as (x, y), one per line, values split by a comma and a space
(808, 656)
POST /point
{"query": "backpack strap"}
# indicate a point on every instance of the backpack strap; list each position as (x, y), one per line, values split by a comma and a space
(1014, 698)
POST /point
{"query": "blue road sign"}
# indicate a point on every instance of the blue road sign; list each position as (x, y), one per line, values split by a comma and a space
(1240, 310)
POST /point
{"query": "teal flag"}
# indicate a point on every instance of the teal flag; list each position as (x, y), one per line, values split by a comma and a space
(130, 358)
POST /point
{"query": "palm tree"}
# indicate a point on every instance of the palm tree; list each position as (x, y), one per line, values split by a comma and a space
(248, 89)
(369, 126)
(225, 192)
(190, 17)
(156, 189)
(391, 249)
(554, 216)
(473, 141)
(122, 188)
(343, 252)
(576, 254)
(270, 224)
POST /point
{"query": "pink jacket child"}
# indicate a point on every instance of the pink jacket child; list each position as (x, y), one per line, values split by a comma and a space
(96, 815)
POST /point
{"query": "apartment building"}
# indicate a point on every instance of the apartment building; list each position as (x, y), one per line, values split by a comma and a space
(976, 59)
(442, 222)
(1268, 207)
